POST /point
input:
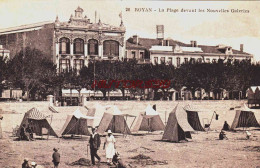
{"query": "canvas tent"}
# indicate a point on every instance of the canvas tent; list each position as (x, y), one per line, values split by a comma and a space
(91, 112)
(37, 121)
(193, 118)
(113, 119)
(150, 120)
(253, 95)
(76, 124)
(244, 117)
(177, 127)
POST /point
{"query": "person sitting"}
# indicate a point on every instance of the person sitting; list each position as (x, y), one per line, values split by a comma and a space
(248, 135)
(118, 161)
(222, 135)
(226, 127)
(29, 130)
(26, 164)
(23, 135)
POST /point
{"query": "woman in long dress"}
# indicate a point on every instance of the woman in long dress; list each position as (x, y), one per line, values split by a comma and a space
(109, 144)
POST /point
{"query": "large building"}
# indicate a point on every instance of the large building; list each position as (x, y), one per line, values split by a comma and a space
(159, 50)
(69, 44)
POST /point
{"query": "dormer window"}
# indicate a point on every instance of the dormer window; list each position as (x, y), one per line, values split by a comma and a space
(229, 50)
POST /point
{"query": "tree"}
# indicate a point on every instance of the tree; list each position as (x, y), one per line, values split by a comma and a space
(29, 70)
(3, 72)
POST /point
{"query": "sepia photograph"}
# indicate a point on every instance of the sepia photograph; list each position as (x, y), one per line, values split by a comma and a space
(129, 84)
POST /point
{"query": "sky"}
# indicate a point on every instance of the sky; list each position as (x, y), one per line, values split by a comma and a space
(207, 28)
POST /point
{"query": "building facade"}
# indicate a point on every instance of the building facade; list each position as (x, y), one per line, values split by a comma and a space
(173, 52)
(71, 44)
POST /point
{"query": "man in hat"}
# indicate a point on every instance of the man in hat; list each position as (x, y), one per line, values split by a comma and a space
(26, 164)
(222, 135)
(56, 158)
(94, 143)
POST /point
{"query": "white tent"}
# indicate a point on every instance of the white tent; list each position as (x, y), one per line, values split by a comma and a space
(150, 120)
(113, 119)
(77, 123)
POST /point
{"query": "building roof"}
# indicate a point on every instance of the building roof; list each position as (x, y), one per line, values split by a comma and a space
(27, 27)
(217, 50)
(147, 43)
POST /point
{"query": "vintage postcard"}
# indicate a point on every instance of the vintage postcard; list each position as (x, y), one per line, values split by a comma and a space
(129, 84)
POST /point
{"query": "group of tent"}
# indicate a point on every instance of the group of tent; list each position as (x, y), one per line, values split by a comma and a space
(103, 117)
(181, 122)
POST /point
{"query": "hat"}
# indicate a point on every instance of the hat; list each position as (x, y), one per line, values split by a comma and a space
(109, 132)
(55, 149)
(33, 164)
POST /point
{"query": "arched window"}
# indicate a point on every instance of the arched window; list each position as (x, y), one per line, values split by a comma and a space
(64, 45)
(78, 46)
(193, 60)
(92, 47)
(111, 48)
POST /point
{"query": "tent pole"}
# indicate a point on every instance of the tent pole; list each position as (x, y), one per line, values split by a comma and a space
(132, 123)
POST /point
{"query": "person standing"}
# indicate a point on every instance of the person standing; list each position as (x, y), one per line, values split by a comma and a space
(94, 143)
(26, 164)
(110, 147)
(56, 158)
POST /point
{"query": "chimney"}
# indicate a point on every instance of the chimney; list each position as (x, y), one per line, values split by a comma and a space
(135, 39)
(195, 44)
(192, 43)
(242, 47)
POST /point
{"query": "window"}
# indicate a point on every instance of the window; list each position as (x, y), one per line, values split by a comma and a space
(142, 55)
(111, 48)
(64, 46)
(170, 61)
(78, 64)
(192, 60)
(162, 59)
(92, 47)
(64, 64)
(125, 54)
(133, 54)
(156, 60)
(178, 59)
(78, 46)
(185, 60)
